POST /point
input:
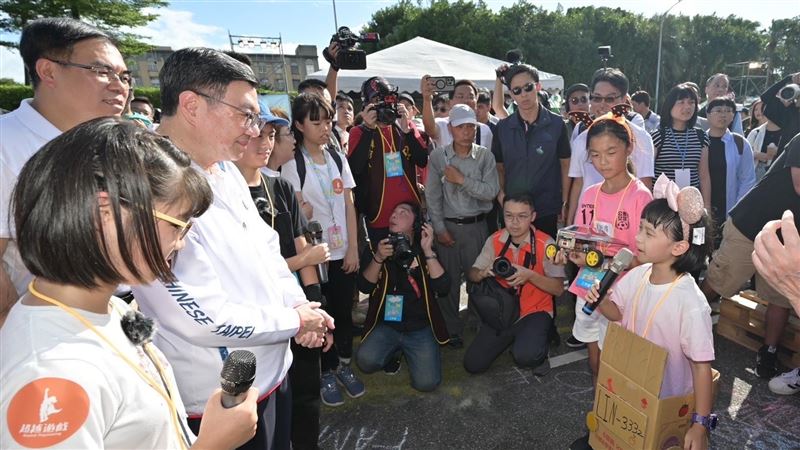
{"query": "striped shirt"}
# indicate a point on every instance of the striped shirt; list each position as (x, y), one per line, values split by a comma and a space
(679, 150)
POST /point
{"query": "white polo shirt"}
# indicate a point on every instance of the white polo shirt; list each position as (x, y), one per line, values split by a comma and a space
(22, 132)
(234, 290)
(445, 137)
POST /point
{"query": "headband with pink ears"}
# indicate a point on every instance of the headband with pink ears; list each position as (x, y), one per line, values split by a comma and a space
(687, 202)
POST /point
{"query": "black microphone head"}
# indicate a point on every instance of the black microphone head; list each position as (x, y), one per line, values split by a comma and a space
(314, 227)
(238, 372)
(621, 261)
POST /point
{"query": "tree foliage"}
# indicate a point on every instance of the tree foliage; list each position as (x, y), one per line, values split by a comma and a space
(565, 42)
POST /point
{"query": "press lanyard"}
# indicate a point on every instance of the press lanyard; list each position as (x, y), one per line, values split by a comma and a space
(619, 207)
(271, 205)
(655, 308)
(387, 142)
(327, 191)
(685, 148)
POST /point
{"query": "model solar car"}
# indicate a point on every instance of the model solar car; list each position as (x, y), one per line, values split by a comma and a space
(579, 238)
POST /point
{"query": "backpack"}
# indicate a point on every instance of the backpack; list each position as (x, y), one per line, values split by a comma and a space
(739, 139)
(301, 163)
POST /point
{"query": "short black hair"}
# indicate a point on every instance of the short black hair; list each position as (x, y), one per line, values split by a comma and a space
(518, 69)
(199, 69)
(439, 99)
(342, 97)
(660, 215)
(469, 83)
(484, 98)
(241, 57)
(610, 126)
(612, 76)
(308, 106)
(641, 97)
(519, 197)
(54, 37)
(58, 230)
(679, 92)
(720, 101)
(142, 99)
(311, 83)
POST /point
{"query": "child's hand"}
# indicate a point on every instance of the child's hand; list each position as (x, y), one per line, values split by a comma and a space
(593, 295)
(696, 438)
(563, 256)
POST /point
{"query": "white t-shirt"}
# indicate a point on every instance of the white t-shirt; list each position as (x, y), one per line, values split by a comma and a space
(329, 206)
(643, 157)
(445, 138)
(22, 132)
(234, 290)
(64, 387)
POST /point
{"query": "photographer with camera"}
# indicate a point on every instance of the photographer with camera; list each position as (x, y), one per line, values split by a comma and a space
(465, 92)
(512, 269)
(384, 152)
(461, 184)
(403, 278)
(782, 107)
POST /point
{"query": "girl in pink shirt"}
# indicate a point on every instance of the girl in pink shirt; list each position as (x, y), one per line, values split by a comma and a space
(660, 301)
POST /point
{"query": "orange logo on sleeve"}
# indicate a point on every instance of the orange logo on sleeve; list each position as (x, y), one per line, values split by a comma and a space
(338, 186)
(47, 411)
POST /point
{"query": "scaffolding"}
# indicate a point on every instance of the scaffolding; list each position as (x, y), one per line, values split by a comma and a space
(748, 79)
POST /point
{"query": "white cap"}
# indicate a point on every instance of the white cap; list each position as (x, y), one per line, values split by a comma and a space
(461, 114)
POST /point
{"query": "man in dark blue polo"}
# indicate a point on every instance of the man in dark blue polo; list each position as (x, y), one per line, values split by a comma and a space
(532, 150)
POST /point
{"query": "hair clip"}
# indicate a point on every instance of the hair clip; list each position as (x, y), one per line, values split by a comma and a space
(581, 116)
(687, 202)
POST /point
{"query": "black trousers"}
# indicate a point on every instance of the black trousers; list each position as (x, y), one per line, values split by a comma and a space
(528, 340)
(339, 294)
(274, 421)
(304, 378)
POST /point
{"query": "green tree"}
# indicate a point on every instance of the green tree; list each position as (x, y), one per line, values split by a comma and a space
(783, 46)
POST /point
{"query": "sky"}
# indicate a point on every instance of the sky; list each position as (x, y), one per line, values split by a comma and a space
(207, 22)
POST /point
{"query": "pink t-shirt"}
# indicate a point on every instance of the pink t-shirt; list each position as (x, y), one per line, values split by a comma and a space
(598, 210)
(682, 325)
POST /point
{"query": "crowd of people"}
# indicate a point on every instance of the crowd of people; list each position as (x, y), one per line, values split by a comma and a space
(236, 226)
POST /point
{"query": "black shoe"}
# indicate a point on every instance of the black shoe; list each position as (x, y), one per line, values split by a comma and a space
(582, 443)
(393, 366)
(456, 342)
(542, 369)
(555, 339)
(766, 363)
(572, 342)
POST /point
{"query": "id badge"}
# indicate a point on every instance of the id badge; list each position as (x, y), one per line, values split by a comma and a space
(683, 177)
(393, 164)
(335, 238)
(604, 227)
(393, 311)
(585, 280)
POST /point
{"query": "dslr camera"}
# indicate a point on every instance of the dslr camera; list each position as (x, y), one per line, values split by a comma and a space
(386, 108)
(502, 267)
(350, 57)
(789, 93)
(401, 244)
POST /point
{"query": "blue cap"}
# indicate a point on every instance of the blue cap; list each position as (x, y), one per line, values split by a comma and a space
(267, 116)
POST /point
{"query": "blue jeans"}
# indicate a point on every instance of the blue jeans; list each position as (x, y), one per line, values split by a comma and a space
(419, 347)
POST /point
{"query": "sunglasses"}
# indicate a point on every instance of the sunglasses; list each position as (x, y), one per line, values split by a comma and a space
(527, 88)
(609, 100)
(576, 100)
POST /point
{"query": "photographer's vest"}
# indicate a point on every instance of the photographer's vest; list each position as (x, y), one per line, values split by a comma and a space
(532, 299)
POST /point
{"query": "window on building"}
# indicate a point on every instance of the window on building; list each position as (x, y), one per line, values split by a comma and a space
(152, 66)
(310, 67)
(295, 69)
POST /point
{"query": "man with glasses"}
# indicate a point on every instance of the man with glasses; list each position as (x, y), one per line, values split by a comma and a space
(465, 92)
(77, 74)
(234, 289)
(718, 85)
(576, 98)
(640, 101)
(441, 106)
(609, 88)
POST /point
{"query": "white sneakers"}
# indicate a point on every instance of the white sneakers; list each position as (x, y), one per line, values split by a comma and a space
(787, 383)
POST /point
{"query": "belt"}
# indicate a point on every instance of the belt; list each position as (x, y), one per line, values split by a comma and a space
(466, 220)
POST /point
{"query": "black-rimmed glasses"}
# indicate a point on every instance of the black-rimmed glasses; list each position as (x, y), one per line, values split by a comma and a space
(252, 119)
(101, 71)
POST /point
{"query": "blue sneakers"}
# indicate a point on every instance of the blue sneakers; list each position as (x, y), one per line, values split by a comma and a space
(329, 390)
(352, 385)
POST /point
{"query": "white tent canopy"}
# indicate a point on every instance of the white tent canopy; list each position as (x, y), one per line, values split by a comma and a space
(403, 65)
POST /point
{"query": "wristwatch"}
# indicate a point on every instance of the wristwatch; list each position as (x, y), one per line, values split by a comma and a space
(432, 256)
(709, 421)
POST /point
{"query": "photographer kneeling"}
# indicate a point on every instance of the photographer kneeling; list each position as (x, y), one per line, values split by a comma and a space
(513, 292)
(403, 278)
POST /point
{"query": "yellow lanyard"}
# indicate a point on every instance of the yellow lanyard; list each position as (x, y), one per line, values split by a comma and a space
(619, 206)
(387, 142)
(655, 308)
(269, 199)
(164, 392)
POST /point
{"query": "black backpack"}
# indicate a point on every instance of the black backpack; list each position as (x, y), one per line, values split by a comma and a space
(301, 163)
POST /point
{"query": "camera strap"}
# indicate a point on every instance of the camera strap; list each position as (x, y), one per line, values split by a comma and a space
(530, 260)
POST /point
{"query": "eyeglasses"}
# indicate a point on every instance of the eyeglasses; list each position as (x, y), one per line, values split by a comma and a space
(251, 119)
(517, 217)
(609, 100)
(527, 88)
(105, 73)
(581, 99)
(183, 228)
(721, 111)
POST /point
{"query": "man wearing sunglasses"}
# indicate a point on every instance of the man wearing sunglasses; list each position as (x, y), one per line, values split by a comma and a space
(234, 289)
(532, 150)
(576, 98)
(77, 74)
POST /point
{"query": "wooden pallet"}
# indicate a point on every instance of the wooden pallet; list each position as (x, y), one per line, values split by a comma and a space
(742, 321)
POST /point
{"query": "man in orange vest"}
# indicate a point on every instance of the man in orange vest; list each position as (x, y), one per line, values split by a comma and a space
(535, 281)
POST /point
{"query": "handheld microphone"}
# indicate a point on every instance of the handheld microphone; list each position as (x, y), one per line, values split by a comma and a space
(314, 230)
(620, 262)
(237, 376)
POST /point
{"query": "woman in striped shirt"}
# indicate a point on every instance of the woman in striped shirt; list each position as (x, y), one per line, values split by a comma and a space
(681, 148)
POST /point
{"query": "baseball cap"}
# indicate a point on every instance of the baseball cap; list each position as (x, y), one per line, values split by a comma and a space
(374, 86)
(461, 114)
(267, 116)
(407, 97)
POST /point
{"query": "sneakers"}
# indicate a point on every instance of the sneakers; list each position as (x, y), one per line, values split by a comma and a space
(329, 390)
(582, 443)
(393, 366)
(352, 385)
(542, 369)
(787, 383)
(766, 363)
(572, 342)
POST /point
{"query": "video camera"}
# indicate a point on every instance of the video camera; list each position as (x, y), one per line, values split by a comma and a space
(513, 57)
(401, 245)
(789, 93)
(350, 57)
(387, 108)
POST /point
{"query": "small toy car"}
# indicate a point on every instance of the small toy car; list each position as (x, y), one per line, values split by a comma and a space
(579, 238)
